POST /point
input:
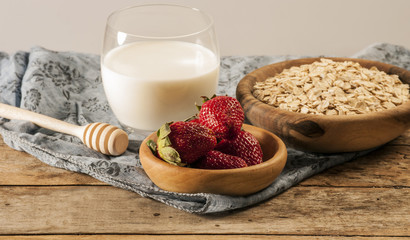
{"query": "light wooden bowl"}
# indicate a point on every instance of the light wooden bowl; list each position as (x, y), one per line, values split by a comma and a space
(240, 181)
(318, 133)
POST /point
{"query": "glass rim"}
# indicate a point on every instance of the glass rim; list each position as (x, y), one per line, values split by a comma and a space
(204, 29)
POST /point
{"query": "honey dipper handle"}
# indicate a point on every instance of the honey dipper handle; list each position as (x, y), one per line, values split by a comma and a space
(11, 112)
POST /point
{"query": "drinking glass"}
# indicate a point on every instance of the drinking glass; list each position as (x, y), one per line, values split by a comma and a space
(157, 61)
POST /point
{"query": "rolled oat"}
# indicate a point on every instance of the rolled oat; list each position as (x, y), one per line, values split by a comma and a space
(332, 88)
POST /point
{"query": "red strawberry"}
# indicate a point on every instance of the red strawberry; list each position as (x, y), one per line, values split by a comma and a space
(183, 143)
(195, 120)
(244, 145)
(223, 114)
(218, 160)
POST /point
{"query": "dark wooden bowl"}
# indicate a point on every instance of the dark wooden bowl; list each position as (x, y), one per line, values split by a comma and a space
(240, 181)
(322, 133)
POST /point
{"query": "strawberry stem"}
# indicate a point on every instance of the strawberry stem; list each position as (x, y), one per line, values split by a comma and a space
(152, 146)
(165, 149)
(192, 117)
(204, 99)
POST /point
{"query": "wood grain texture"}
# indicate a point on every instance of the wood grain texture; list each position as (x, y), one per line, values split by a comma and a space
(363, 199)
(189, 237)
(403, 139)
(236, 182)
(20, 168)
(321, 133)
(387, 166)
(300, 210)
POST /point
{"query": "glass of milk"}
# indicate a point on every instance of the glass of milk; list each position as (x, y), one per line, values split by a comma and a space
(157, 61)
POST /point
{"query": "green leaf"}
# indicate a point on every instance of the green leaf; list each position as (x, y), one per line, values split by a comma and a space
(165, 149)
(191, 118)
(164, 131)
(198, 107)
(170, 155)
(204, 99)
(153, 146)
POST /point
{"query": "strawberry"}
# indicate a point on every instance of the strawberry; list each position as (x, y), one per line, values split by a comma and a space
(182, 143)
(223, 114)
(243, 145)
(219, 160)
(195, 120)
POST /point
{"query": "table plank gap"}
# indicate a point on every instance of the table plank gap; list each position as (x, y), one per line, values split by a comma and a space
(388, 166)
(20, 168)
(300, 210)
(191, 237)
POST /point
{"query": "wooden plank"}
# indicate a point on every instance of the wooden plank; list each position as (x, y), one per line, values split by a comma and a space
(403, 139)
(20, 168)
(187, 237)
(335, 211)
(387, 166)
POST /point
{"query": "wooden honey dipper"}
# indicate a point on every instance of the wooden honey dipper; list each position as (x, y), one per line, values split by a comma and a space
(101, 137)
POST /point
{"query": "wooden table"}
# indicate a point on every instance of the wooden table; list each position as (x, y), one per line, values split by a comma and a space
(368, 198)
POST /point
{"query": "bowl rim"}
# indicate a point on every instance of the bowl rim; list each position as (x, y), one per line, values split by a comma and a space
(405, 107)
(275, 159)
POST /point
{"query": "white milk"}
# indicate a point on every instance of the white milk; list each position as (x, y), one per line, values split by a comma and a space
(150, 83)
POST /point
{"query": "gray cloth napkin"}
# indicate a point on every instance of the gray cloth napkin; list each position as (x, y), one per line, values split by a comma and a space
(67, 86)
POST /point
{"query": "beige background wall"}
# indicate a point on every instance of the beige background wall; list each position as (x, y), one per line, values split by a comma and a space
(245, 27)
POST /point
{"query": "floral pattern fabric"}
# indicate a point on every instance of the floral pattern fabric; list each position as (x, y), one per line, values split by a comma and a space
(67, 86)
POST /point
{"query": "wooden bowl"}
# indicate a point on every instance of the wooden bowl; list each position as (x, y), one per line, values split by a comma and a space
(240, 181)
(322, 133)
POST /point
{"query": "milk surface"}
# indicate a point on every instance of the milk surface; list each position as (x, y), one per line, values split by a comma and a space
(150, 83)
